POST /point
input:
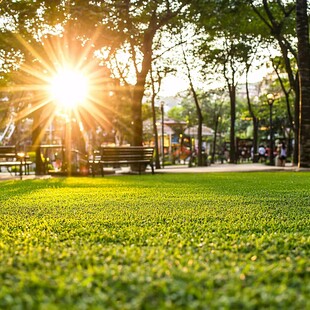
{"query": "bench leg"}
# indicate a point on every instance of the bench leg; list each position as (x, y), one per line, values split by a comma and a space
(26, 168)
(93, 170)
(21, 170)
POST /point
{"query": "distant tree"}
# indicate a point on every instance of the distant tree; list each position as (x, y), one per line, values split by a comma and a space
(225, 46)
(156, 77)
(176, 113)
(197, 107)
(228, 60)
(214, 106)
(279, 24)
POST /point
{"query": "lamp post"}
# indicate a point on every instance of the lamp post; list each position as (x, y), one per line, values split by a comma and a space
(162, 134)
(190, 139)
(270, 100)
(68, 143)
(181, 146)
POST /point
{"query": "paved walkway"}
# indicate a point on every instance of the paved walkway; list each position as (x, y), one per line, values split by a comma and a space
(226, 168)
(7, 176)
(185, 169)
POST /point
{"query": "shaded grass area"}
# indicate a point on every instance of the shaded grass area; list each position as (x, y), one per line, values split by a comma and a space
(205, 241)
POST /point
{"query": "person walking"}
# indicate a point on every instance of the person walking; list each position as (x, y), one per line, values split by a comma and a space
(262, 153)
(283, 154)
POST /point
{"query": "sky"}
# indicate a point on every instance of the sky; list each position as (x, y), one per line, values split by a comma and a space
(173, 84)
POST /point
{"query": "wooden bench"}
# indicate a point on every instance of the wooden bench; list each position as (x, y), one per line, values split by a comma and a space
(121, 156)
(10, 157)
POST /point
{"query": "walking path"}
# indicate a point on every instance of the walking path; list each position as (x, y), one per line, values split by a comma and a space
(249, 167)
(7, 176)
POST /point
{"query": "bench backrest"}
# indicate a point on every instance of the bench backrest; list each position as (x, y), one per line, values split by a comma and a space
(8, 151)
(126, 153)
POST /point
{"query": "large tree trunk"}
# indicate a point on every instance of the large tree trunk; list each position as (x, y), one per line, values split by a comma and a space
(138, 91)
(137, 130)
(302, 27)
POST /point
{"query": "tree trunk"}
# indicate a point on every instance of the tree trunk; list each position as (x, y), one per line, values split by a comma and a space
(36, 141)
(138, 91)
(157, 163)
(137, 131)
(200, 161)
(254, 118)
(215, 138)
(198, 110)
(293, 119)
(302, 28)
(232, 95)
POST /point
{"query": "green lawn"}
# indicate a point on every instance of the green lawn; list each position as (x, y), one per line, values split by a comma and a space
(179, 241)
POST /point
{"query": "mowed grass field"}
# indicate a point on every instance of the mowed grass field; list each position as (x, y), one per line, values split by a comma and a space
(178, 241)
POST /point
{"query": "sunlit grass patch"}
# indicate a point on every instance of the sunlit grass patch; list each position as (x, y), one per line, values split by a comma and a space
(156, 242)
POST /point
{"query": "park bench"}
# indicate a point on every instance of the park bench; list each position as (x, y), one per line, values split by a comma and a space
(121, 156)
(10, 157)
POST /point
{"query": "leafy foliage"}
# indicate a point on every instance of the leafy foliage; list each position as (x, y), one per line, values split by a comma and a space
(156, 242)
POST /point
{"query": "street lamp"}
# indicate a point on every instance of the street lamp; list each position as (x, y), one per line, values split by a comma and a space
(270, 100)
(181, 146)
(190, 139)
(162, 133)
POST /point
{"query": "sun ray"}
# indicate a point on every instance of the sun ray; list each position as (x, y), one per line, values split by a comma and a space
(35, 53)
(87, 51)
(33, 108)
